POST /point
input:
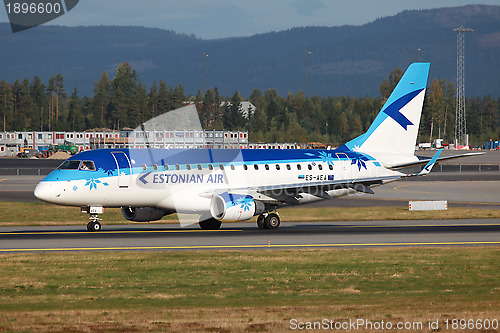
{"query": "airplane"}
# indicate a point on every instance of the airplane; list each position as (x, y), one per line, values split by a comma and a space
(227, 185)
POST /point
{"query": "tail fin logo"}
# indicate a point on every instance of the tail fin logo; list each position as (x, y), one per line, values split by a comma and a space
(394, 110)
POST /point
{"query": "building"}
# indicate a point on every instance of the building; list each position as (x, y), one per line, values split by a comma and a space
(11, 142)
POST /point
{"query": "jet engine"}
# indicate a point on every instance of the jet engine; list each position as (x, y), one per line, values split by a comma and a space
(143, 214)
(235, 207)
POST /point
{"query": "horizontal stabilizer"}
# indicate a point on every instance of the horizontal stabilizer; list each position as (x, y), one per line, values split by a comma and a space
(427, 160)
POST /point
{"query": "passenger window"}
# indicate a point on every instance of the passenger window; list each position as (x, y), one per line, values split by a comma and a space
(266, 166)
(277, 166)
(155, 167)
(210, 167)
(221, 166)
(188, 166)
(165, 166)
(200, 167)
(330, 166)
(309, 166)
(70, 165)
(232, 166)
(288, 167)
(177, 167)
(245, 167)
(256, 167)
(144, 167)
(87, 165)
(320, 167)
(299, 167)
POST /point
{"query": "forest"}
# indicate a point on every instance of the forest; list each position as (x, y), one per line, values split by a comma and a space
(125, 102)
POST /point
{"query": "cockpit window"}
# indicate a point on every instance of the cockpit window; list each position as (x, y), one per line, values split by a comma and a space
(87, 165)
(70, 165)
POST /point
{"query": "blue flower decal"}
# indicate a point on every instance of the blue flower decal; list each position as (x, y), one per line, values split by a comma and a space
(359, 161)
(246, 206)
(75, 188)
(325, 157)
(93, 183)
(108, 171)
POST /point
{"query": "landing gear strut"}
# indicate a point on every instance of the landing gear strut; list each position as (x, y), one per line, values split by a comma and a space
(268, 221)
(94, 224)
(94, 212)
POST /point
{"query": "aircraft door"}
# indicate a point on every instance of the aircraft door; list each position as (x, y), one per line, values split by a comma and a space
(124, 171)
(345, 165)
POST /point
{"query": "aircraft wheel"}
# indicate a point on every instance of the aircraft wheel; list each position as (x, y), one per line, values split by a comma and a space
(93, 226)
(210, 224)
(260, 221)
(272, 221)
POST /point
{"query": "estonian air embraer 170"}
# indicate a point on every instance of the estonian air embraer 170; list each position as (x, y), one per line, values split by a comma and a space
(234, 185)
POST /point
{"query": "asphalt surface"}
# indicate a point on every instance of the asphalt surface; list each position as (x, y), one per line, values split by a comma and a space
(427, 233)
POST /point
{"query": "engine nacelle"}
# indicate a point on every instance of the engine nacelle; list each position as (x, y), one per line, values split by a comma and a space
(143, 214)
(234, 207)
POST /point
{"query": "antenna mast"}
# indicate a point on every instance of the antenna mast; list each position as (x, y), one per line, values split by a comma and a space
(461, 138)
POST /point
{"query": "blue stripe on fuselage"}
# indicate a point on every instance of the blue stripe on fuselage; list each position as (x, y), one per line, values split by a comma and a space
(106, 165)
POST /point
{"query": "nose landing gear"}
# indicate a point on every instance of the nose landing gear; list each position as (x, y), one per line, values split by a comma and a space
(93, 212)
(94, 224)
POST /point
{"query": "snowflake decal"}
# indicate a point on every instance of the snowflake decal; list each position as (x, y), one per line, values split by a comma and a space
(92, 182)
(246, 206)
(356, 148)
(109, 171)
(359, 161)
(328, 158)
(75, 188)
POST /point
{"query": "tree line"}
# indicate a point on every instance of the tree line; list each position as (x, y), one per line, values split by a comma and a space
(125, 102)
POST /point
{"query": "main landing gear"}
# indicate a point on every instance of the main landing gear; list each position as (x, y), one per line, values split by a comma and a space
(268, 221)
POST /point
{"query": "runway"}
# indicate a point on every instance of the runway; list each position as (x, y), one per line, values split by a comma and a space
(169, 237)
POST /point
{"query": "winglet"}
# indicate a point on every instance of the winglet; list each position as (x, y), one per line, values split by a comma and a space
(428, 167)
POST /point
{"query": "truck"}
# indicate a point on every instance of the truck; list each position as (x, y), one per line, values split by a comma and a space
(48, 150)
(68, 147)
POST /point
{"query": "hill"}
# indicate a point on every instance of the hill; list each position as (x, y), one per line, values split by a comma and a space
(346, 60)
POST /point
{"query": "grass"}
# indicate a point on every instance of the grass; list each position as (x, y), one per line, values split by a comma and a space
(19, 214)
(257, 291)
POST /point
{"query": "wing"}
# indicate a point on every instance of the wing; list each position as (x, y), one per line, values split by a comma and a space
(290, 193)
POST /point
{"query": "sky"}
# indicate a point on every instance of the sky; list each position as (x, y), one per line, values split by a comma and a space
(211, 19)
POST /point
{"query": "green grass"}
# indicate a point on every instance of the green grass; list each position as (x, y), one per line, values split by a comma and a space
(175, 288)
(16, 213)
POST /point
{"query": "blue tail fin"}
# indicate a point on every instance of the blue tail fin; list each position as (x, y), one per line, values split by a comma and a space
(395, 128)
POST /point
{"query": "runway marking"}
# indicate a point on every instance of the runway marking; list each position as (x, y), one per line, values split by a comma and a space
(422, 225)
(110, 232)
(241, 230)
(211, 247)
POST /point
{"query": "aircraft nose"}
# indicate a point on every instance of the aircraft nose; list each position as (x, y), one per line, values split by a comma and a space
(44, 191)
